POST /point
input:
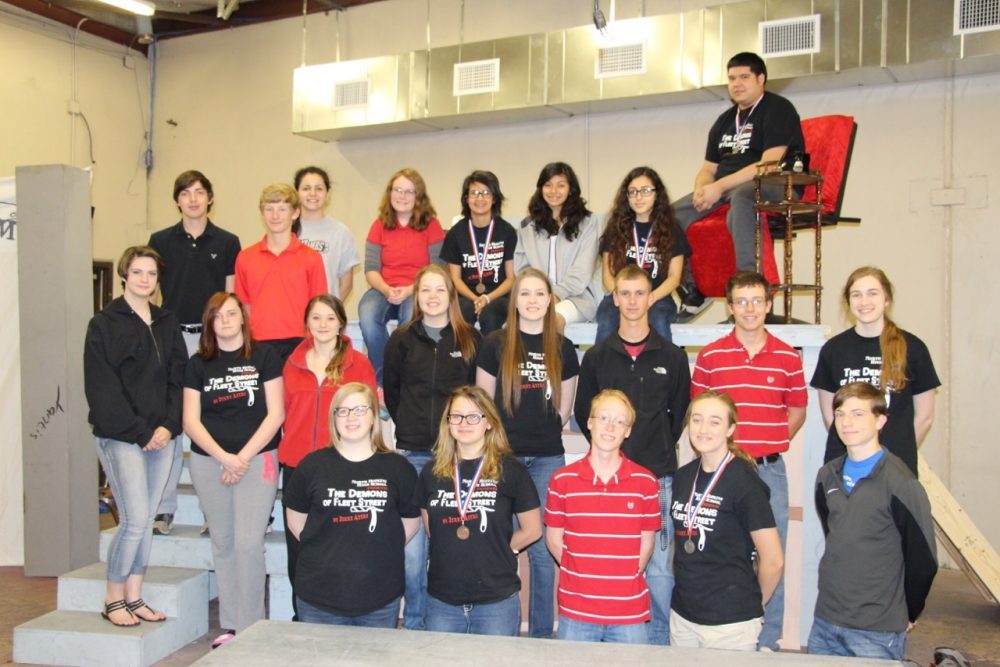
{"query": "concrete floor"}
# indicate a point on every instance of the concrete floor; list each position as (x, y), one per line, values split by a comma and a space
(956, 615)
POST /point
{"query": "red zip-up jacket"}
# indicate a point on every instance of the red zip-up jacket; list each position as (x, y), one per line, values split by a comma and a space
(307, 402)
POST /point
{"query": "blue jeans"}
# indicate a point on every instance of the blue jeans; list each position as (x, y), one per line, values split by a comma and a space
(495, 618)
(661, 315)
(137, 479)
(374, 313)
(581, 631)
(776, 479)
(386, 617)
(660, 570)
(541, 610)
(829, 639)
(416, 562)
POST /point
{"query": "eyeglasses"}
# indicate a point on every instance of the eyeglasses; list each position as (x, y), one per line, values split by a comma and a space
(406, 192)
(472, 419)
(604, 420)
(757, 302)
(480, 194)
(635, 193)
(358, 411)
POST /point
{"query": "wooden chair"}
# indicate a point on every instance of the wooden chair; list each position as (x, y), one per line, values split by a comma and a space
(830, 143)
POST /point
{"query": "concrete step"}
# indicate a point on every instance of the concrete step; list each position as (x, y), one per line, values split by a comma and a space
(184, 547)
(279, 598)
(84, 639)
(178, 592)
(189, 511)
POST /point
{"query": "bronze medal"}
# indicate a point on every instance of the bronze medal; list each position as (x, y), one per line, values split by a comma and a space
(463, 532)
(480, 288)
(689, 546)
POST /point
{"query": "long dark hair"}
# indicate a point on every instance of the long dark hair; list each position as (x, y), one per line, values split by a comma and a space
(618, 234)
(574, 210)
(208, 345)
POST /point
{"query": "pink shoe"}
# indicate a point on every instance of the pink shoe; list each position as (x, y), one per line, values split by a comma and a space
(223, 639)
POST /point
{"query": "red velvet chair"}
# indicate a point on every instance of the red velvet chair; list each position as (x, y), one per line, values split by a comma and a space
(830, 142)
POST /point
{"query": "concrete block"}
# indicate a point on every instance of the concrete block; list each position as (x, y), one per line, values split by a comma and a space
(178, 592)
(85, 639)
(185, 547)
(279, 600)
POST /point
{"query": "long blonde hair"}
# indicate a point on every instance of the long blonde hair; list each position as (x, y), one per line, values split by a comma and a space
(378, 442)
(514, 354)
(463, 332)
(891, 341)
(496, 445)
(727, 400)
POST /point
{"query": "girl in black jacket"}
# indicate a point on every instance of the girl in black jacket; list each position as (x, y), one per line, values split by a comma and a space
(425, 359)
(133, 363)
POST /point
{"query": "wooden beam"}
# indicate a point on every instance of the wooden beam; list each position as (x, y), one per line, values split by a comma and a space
(964, 542)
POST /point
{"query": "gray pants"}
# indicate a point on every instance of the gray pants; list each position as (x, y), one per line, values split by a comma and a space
(741, 219)
(237, 519)
(168, 504)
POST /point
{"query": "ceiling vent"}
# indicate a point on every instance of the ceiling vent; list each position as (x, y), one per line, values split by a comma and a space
(620, 60)
(479, 76)
(789, 37)
(350, 94)
(976, 16)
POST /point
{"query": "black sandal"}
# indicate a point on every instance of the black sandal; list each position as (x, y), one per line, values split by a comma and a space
(139, 604)
(118, 605)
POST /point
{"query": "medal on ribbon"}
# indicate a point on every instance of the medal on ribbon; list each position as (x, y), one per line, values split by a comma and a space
(480, 259)
(463, 502)
(691, 512)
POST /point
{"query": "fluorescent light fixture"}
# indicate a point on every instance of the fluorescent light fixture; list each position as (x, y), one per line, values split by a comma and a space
(140, 7)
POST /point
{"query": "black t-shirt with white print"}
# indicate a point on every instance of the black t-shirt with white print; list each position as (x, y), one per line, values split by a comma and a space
(536, 427)
(351, 549)
(481, 569)
(656, 264)
(457, 249)
(850, 357)
(774, 122)
(716, 584)
(232, 395)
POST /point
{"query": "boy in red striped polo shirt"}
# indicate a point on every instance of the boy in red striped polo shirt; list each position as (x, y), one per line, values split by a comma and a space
(602, 515)
(763, 375)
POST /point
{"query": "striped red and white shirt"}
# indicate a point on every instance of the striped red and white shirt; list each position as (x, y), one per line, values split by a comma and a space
(599, 577)
(763, 387)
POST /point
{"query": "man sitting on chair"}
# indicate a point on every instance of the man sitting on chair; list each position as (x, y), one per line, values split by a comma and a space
(760, 126)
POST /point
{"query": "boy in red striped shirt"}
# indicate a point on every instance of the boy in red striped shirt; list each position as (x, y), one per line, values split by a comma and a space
(763, 375)
(602, 515)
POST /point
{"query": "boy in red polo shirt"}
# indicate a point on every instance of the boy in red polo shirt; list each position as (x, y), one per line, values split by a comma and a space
(276, 277)
(602, 515)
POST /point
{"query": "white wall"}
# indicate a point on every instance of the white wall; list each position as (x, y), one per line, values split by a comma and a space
(230, 94)
(228, 97)
(38, 80)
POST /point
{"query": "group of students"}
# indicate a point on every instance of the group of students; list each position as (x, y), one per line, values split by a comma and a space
(248, 359)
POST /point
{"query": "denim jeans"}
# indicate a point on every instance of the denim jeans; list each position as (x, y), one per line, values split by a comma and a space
(660, 570)
(829, 639)
(741, 220)
(137, 479)
(776, 479)
(491, 318)
(416, 562)
(501, 618)
(541, 609)
(581, 631)
(661, 315)
(386, 617)
(374, 313)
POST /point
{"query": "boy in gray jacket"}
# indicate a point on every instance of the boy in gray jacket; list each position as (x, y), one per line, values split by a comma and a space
(880, 556)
